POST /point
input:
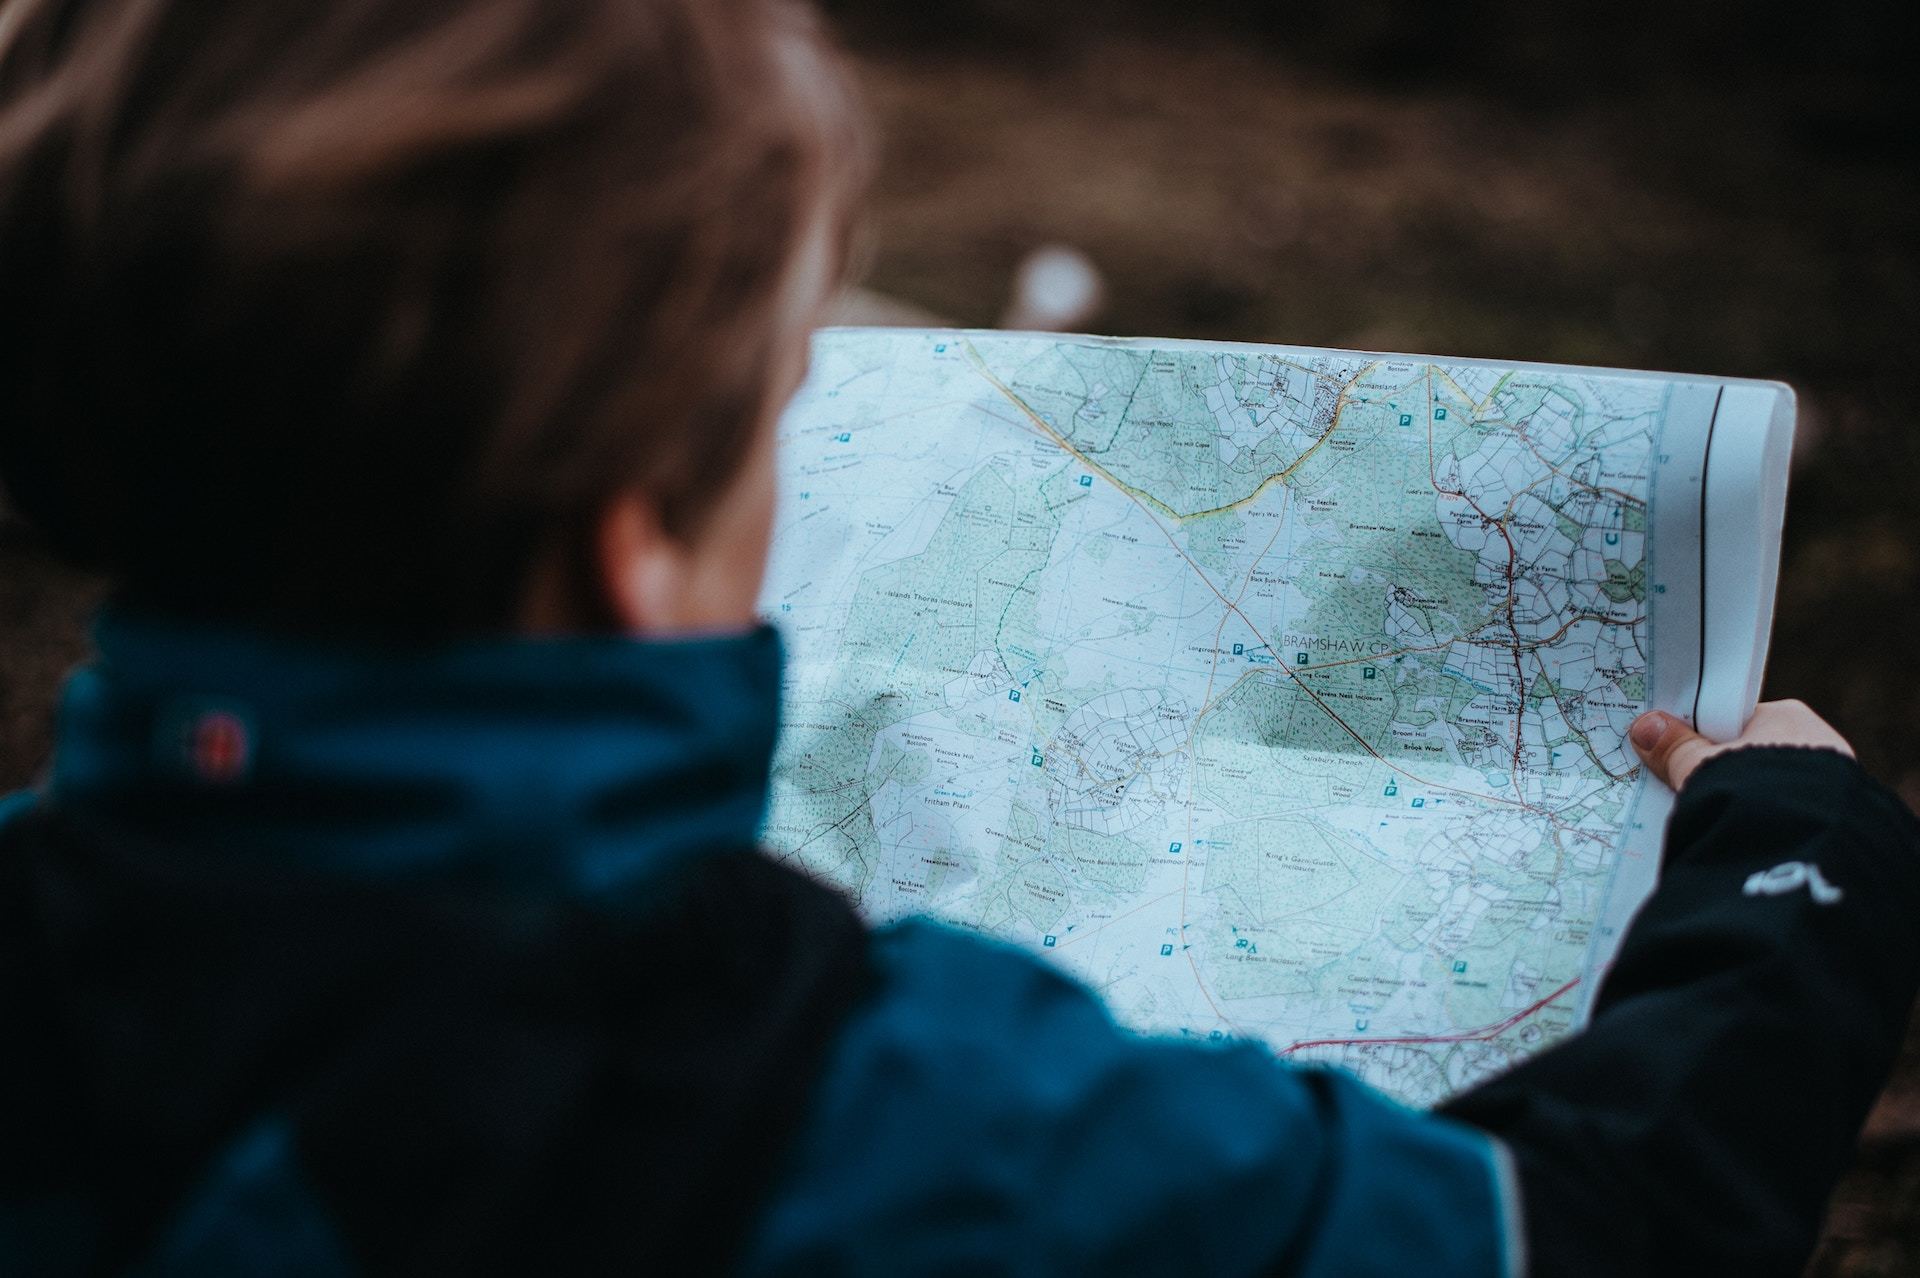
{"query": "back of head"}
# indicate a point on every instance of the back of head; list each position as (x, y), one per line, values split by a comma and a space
(342, 315)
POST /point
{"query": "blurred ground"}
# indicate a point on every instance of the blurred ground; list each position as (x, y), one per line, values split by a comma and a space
(1422, 179)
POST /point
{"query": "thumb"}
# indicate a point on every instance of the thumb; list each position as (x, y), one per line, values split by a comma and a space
(1669, 747)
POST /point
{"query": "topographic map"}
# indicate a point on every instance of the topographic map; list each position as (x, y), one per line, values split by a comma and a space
(1276, 694)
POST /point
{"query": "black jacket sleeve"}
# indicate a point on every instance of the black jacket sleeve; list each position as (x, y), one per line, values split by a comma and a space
(1753, 1013)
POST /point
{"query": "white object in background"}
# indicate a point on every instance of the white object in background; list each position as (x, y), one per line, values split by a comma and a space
(1055, 288)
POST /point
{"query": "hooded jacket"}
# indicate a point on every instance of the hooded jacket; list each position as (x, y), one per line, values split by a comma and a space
(327, 960)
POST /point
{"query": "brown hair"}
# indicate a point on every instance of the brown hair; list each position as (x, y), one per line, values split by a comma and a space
(345, 314)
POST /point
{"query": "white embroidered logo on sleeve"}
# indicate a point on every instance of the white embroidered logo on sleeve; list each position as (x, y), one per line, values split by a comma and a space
(1789, 875)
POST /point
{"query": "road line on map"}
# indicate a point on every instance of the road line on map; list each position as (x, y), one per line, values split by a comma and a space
(1470, 1036)
(1278, 476)
(1513, 565)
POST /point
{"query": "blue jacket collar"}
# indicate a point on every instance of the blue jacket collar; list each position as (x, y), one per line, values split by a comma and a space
(584, 764)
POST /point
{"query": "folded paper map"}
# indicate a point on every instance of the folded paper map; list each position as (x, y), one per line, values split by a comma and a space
(1277, 694)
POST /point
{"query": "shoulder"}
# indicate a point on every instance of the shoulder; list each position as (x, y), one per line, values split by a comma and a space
(982, 1110)
(15, 806)
(18, 811)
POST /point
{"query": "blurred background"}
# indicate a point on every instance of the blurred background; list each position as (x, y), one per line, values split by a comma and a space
(1713, 188)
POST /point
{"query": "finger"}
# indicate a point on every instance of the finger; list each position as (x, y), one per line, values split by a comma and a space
(1669, 747)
